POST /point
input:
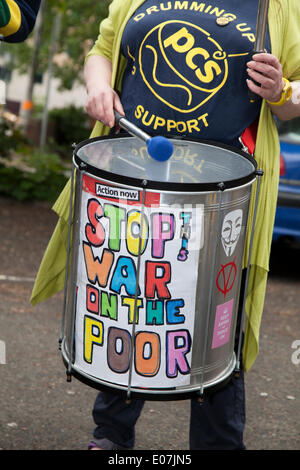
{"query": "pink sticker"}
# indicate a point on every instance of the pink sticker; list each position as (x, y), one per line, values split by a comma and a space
(222, 324)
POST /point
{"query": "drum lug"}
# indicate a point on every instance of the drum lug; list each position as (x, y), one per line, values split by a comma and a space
(244, 147)
(200, 398)
(69, 376)
(82, 166)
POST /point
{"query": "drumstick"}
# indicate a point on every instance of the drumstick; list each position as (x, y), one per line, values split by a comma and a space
(159, 148)
(260, 36)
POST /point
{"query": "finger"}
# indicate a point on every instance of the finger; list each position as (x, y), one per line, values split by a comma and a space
(254, 88)
(118, 105)
(264, 69)
(107, 109)
(265, 82)
(94, 107)
(267, 59)
(91, 109)
(268, 93)
(109, 119)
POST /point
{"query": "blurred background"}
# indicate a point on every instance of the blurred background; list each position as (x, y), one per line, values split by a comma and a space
(44, 109)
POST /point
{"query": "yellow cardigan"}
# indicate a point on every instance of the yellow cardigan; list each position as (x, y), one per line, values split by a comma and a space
(284, 21)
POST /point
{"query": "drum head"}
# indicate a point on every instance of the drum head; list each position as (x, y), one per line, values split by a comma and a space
(194, 165)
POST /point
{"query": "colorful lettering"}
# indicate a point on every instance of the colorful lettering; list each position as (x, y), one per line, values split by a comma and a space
(118, 349)
(109, 305)
(147, 353)
(93, 335)
(94, 231)
(173, 313)
(133, 308)
(178, 346)
(163, 226)
(185, 234)
(157, 276)
(115, 215)
(155, 312)
(135, 225)
(134, 287)
(92, 299)
(97, 271)
(124, 275)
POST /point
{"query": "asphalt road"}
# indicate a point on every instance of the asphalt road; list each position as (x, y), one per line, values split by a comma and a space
(41, 410)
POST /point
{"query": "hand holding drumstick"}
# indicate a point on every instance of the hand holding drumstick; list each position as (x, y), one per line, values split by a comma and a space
(266, 70)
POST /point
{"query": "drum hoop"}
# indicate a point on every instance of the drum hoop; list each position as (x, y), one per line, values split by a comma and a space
(163, 185)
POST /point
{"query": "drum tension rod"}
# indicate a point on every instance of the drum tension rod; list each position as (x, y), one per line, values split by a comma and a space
(237, 372)
(221, 187)
(138, 268)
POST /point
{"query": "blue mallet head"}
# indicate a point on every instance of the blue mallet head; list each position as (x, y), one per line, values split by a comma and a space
(159, 148)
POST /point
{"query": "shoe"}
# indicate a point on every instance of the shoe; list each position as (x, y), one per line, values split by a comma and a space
(104, 444)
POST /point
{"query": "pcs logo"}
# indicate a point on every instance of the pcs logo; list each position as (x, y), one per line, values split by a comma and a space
(179, 59)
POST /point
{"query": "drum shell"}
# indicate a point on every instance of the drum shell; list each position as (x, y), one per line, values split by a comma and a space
(210, 366)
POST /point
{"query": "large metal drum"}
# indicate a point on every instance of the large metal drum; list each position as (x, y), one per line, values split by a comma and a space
(155, 268)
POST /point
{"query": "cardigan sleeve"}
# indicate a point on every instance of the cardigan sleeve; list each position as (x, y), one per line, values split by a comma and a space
(17, 18)
(290, 59)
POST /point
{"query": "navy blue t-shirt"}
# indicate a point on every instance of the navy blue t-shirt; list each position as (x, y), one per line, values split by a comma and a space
(186, 71)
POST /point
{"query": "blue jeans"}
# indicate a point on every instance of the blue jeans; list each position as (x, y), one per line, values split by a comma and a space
(216, 424)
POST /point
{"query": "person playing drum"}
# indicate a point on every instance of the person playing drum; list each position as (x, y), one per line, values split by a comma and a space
(185, 68)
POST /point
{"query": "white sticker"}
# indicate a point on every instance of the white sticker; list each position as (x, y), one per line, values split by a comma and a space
(231, 229)
(107, 281)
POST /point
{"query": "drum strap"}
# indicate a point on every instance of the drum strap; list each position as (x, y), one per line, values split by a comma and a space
(248, 137)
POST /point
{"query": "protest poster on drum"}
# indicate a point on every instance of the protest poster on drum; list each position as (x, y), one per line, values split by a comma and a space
(112, 294)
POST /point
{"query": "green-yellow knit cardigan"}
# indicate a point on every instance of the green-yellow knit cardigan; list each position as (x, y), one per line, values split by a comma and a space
(284, 27)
